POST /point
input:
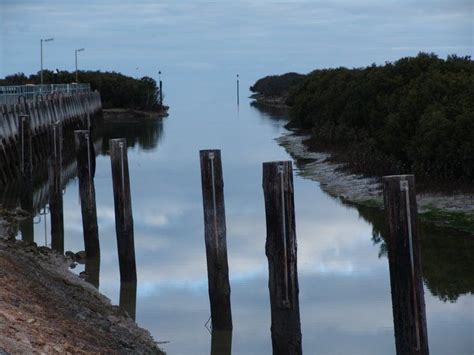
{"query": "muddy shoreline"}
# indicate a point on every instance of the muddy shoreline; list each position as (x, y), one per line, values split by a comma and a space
(45, 308)
(454, 210)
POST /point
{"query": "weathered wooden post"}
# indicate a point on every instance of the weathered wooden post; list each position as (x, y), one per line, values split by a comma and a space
(408, 301)
(128, 298)
(27, 230)
(281, 253)
(55, 189)
(26, 163)
(87, 194)
(123, 209)
(92, 269)
(221, 342)
(215, 238)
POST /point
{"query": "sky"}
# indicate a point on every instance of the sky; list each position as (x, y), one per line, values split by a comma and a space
(252, 38)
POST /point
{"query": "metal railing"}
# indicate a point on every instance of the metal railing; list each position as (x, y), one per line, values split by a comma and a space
(11, 94)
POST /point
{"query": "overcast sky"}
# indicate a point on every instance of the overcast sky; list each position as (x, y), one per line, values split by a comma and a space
(253, 38)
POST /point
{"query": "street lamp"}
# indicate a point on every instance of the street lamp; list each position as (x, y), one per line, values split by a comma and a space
(78, 50)
(41, 54)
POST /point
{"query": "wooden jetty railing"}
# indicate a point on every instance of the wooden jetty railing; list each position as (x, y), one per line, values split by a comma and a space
(67, 109)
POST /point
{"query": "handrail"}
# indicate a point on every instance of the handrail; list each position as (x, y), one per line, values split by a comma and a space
(10, 94)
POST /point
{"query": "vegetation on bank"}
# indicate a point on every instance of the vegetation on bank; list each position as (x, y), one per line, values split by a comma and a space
(117, 90)
(276, 85)
(415, 115)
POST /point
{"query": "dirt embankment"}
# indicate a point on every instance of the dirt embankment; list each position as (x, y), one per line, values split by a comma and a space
(44, 308)
(454, 210)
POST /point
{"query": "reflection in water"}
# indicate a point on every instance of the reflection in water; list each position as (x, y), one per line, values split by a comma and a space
(146, 134)
(221, 342)
(446, 255)
(128, 298)
(271, 112)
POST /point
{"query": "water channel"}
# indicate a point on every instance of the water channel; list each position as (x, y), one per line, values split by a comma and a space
(345, 298)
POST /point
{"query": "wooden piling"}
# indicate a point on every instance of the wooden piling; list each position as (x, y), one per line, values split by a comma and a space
(27, 229)
(215, 239)
(281, 253)
(123, 209)
(55, 189)
(128, 298)
(92, 270)
(26, 163)
(408, 301)
(87, 194)
(221, 342)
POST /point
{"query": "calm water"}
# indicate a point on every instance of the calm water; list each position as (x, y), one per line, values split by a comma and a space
(343, 271)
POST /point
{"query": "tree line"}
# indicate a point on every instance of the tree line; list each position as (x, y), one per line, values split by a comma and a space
(117, 90)
(415, 115)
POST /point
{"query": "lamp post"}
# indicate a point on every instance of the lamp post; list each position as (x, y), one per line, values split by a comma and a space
(76, 51)
(41, 55)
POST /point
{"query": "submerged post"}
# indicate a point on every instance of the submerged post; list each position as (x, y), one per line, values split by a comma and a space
(411, 336)
(215, 238)
(280, 249)
(87, 194)
(55, 187)
(123, 209)
(26, 163)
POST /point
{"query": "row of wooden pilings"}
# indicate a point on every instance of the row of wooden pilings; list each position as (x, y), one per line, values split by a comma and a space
(85, 155)
(281, 245)
(281, 249)
(42, 113)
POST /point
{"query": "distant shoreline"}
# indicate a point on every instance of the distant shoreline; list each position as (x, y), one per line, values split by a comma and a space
(132, 115)
(272, 101)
